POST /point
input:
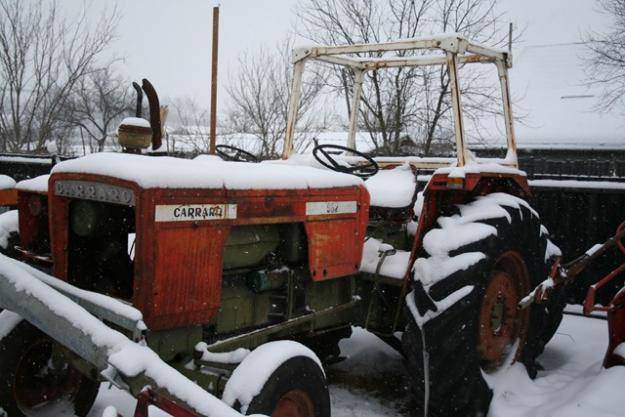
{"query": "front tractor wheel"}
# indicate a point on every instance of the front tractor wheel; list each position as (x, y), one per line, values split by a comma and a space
(464, 323)
(279, 379)
(35, 381)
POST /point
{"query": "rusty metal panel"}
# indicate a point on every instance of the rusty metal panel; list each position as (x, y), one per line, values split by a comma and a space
(8, 197)
(186, 285)
(335, 241)
(33, 221)
(334, 248)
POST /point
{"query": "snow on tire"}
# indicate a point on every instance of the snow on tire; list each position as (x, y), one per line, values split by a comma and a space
(478, 265)
(282, 378)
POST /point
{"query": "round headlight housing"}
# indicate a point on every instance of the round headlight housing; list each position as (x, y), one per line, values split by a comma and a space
(86, 218)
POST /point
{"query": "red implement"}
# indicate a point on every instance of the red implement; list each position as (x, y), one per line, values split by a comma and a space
(149, 397)
(615, 309)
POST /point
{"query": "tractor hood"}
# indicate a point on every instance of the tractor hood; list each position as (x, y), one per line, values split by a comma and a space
(168, 172)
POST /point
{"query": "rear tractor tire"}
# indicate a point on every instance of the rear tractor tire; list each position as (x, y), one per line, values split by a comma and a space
(464, 321)
(32, 383)
(279, 379)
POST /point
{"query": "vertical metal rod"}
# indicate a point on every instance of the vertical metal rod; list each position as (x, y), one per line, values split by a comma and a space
(296, 91)
(511, 155)
(452, 65)
(359, 76)
(213, 112)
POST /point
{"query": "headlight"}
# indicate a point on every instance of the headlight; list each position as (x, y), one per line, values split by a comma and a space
(86, 218)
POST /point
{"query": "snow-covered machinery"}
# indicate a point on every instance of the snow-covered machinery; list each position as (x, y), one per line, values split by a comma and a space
(231, 274)
(8, 193)
(565, 274)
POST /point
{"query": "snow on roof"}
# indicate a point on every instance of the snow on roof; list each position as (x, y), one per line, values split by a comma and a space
(595, 185)
(167, 172)
(26, 159)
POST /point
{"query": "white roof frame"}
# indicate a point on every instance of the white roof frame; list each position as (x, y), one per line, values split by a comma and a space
(455, 49)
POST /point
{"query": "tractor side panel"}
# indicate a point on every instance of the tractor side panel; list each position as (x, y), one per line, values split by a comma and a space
(334, 247)
(186, 285)
(33, 220)
(335, 239)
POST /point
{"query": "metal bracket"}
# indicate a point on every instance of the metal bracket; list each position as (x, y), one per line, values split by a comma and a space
(300, 54)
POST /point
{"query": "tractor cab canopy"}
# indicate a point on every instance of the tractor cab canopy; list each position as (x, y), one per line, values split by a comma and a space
(450, 50)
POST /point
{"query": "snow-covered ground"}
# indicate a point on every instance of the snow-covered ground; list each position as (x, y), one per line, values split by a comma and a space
(370, 382)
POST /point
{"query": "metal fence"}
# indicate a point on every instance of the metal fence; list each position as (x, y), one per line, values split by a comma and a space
(573, 164)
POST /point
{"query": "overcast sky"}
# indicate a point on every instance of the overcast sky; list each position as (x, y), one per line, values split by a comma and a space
(169, 42)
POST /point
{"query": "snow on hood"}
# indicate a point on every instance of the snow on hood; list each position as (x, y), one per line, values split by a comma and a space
(6, 182)
(168, 172)
(35, 185)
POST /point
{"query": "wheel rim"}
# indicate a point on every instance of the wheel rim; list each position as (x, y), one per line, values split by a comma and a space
(37, 384)
(502, 325)
(295, 403)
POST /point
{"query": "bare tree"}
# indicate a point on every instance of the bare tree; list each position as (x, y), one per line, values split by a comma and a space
(43, 56)
(98, 103)
(260, 92)
(191, 129)
(405, 101)
(606, 63)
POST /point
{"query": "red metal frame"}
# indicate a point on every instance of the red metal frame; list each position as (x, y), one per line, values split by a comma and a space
(482, 183)
(438, 193)
(149, 397)
(615, 310)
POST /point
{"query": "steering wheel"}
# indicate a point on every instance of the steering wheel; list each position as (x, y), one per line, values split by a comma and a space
(324, 154)
(232, 153)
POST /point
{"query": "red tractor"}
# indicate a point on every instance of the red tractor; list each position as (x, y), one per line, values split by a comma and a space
(242, 277)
